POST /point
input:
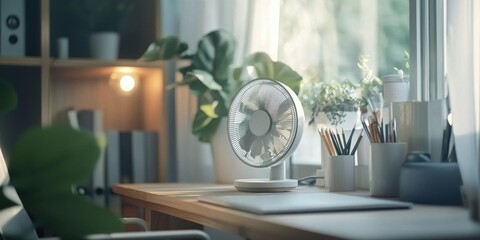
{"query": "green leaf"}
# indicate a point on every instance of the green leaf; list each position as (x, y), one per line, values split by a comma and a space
(165, 48)
(45, 163)
(53, 157)
(215, 54)
(209, 109)
(206, 133)
(200, 121)
(266, 68)
(8, 97)
(200, 81)
(70, 216)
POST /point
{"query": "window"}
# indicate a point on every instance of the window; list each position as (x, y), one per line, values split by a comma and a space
(323, 40)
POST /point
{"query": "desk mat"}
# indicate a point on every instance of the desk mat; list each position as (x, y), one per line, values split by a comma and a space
(279, 203)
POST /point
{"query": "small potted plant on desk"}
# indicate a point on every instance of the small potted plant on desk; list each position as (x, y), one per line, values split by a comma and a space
(334, 104)
(104, 20)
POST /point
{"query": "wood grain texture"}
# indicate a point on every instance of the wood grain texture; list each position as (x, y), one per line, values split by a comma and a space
(181, 201)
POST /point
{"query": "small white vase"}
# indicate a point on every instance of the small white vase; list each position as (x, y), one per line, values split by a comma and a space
(104, 45)
(396, 89)
(227, 166)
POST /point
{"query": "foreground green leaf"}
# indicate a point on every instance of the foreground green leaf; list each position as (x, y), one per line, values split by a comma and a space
(55, 157)
(45, 164)
(70, 216)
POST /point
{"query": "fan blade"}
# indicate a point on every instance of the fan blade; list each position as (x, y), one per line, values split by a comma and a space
(279, 140)
(246, 141)
(248, 108)
(282, 134)
(285, 124)
(272, 104)
(257, 147)
(284, 110)
(243, 128)
(270, 143)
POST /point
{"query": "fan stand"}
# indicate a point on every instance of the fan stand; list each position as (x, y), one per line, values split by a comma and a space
(276, 183)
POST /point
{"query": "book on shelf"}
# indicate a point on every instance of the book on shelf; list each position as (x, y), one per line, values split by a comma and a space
(131, 157)
(91, 120)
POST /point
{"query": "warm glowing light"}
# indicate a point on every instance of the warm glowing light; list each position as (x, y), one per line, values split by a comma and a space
(127, 83)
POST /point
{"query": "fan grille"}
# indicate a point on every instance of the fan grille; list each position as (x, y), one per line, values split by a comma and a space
(269, 148)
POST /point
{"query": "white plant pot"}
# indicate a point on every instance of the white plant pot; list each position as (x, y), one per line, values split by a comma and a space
(104, 45)
(395, 89)
(227, 166)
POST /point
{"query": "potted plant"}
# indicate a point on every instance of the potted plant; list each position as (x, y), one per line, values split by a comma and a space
(332, 103)
(104, 20)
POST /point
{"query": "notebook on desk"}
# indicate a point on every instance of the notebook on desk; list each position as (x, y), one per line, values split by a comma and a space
(278, 203)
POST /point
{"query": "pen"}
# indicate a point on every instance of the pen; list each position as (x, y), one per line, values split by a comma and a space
(357, 143)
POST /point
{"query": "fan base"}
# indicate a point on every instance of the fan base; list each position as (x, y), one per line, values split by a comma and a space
(265, 185)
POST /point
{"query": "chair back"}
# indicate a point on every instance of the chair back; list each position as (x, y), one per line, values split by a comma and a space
(14, 221)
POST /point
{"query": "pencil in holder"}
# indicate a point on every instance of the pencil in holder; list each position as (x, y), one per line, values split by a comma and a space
(386, 162)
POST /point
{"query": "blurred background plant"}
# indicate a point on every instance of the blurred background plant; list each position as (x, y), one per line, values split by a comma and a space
(104, 15)
(370, 84)
(335, 98)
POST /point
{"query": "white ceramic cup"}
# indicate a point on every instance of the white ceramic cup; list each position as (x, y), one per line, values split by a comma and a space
(341, 173)
(387, 159)
(395, 89)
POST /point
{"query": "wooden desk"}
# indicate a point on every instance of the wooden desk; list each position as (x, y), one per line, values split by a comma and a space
(172, 205)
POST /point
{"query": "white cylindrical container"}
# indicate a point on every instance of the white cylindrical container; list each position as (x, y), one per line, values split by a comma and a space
(341, 173)
(387, 159)
(104, 45)
(395, 88)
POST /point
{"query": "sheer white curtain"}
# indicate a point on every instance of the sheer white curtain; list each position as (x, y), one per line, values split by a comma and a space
(463, 72)
(255, 26)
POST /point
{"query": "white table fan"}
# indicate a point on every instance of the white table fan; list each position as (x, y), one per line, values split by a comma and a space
(265, 125)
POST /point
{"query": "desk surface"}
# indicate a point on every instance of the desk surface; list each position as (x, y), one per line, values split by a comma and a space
(419, 222)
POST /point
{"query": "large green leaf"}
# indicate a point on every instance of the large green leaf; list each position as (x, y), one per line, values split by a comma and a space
(204, 127)
(8, 97)
(215, 54)
(200, 82)
(45, 163)
(54, 156)
(165, 48)
(208, 78)
(70, 216)
(265, 67)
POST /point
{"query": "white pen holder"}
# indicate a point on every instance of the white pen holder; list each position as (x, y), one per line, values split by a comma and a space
(341, 173)
(386, 162)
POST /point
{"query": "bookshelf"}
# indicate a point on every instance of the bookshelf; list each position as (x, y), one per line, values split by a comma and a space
(50, 84)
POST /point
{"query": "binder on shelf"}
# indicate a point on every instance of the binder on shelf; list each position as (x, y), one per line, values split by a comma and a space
(151, 145)
(139, 158)
(91, 120)
(125, 146)
(112, 170)
(131, 157)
